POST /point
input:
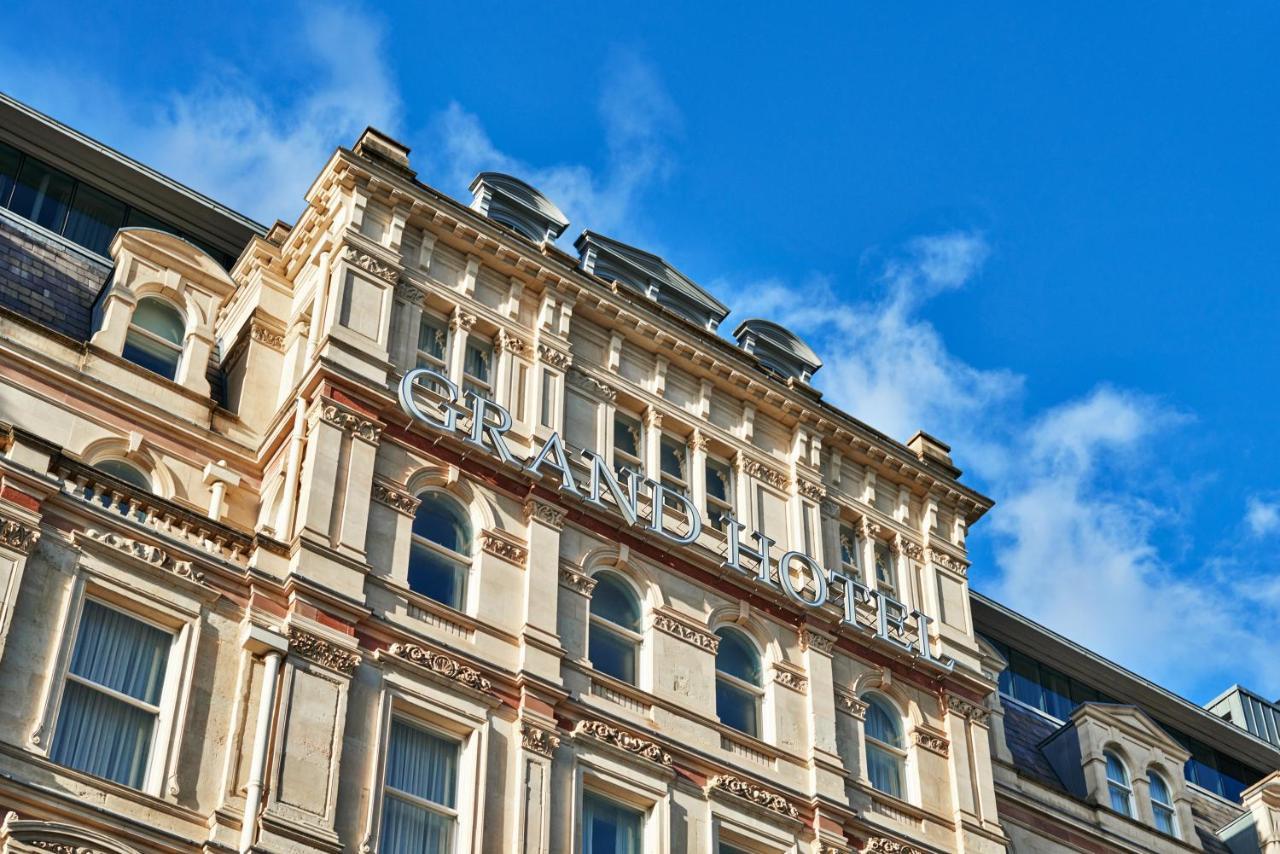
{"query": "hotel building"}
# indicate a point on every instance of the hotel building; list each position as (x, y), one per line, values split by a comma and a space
(400, 528)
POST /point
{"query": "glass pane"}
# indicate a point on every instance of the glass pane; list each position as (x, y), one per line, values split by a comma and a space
(1026, 679)
(138, 219)
(882, 722)
(160, 319)
(432, 336)
(626, 435)
(1119, 800)
(737, 656)
(1164, 819)
(672, 457)
(94, 219)
(120, 652)
(478, 359)
(612, 654)
(423, 764)
(151, 354)
(884, 769)
(435, 577)
(1116, 771)
(10, 158)
(718, 480)
(609, 828)
(1057, 693)
(737, 708)
(124, 471)
(102, 736)
(411, 829)
(885, 575)
(42, 194)
(613, 600)
(441, 520)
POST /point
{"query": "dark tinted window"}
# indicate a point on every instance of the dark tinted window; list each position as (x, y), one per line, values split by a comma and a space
(42, 194)
(10, 159)
(94, 219)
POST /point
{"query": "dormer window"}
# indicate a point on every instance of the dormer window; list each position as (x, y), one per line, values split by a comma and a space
(1162, 811)
(1118, 786)
(154, 340)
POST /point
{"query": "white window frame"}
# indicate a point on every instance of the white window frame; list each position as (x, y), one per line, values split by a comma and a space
(619, 458)
(467, 562)
(177, 614)
(148, 335)
(719, 504)
(902, 754)
(1125, 786)
(632, 637)
(891, 588)
(747, 832)
(758, 691)
(626, 785)
(424, 358)
(1167, 806)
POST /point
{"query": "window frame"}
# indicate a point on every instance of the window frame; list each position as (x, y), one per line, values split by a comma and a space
(465, 563)
(471, 382)
(154, 339)
(386, 790)
(900, 754)
(424, 358)
(1125, 786)
(757, 692)
(633, 637)
(633, 462)
(681, 483)
(1166, 806)
(713, 505)
(891, 587)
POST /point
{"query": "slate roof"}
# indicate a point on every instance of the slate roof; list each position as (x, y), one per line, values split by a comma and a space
(44, 280)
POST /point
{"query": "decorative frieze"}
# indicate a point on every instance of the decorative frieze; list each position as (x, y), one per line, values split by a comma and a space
(462, 322)
(147, 553)
(851, 705)
(321, 651)
(553, 357)
(756, 794)
(591, 385)
(811, 490)
(505, 547)
(371, 265)
(932, 742)
(764, 473)
(788, 678)
(17, 536)
(690, 634)
(538, 740)
(264, 334)
(436, 662)
(870, 530)
(511, 343)
(349, 422)
(576, 581)
(624, 740)
(966, 709)
(884, 845)
(949, 563)
(908, 548)
(396, 500)
(547, 514)
(410, 293)
(809, 639)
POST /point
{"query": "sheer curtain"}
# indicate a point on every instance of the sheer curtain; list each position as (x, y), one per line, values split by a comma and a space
(609, 828)
(116, 660)
(421, 792)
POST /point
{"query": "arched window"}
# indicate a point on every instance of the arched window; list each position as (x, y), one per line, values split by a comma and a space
(127, 472)
(1118, 785)
(739, 682)
(440, 554)
(613, 640)
(1162, 804)
(155, 337)
(886, 748)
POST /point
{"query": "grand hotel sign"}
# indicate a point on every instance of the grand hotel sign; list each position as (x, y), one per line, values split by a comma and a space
(795, 569)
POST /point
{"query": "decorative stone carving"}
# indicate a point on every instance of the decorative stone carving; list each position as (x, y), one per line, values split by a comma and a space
(511, 343)
(321, 651)
(591, 385)
(148, 553)
(538, 740)
(400, 501)
(16, 535)
(63, 847)
(409, 292)
(884, 845)
(851, 705)
(762, 472)
(690, 634)
(756, 794)
(966, 709)
(949, 563)
(788, 678)
(809, 489)
(829, 508)
(908, 548)
(370, 264)
(624, 740)
(461, 322)
(932, 742)
(448, 667)
(554, 357)
(870, 530)
(548, 514)
(264, 334)
(349, 422)
(810, 639)
(576, 581)
(507, 549)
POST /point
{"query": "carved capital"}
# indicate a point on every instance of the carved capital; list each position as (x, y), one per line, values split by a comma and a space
(410, 293)
(371, 265)
(789, 678)
(548, 514)
(829, 508)
(576, 581)
(505, 547)
(884, 845)
(967, 709)
(264, 334)
(811, 490)
(932, 742)
(538, 740)
(591, 385)
(907, 548)
(461, 321)
(623, 740)
(690, 634)
(436, 662)
(321, 651)
(851, 705)
(947, 562)
(17, 536)
(348, 422)
(553, 357)
(809, 639)
(511, 343)
(399, 501)
(756, 794)
(764, 473)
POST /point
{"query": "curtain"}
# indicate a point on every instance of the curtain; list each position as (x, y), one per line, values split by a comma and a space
(98, 733)
(884, 770)
(424, 766)
(609, 828)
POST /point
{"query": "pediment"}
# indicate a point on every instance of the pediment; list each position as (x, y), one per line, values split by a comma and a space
(173, 252)
(1130, 720)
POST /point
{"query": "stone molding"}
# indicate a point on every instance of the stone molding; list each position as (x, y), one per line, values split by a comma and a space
(851, 705)
(548, 514)
(932, 742)
(870, 530)
(908, 548)
(538, 740)
(949, 563)
(789, 677)
(17, 536)
(147, 553)
(624, 740)
(967, 709)
(442, 664)
(884, 845)
(409, 292)
(591, 385)
(349, 422)
(510, 343)
(371, 265)
(504, 546)
(461, 321)
(321, 651)
(764, 473)
(554, 357)
(576, 581)
(809, 489)
(401, 502)
(677, 628)
(264, 334)
(809, 639)
(830, 509)
(757, 795)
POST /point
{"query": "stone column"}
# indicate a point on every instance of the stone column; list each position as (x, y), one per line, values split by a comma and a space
(194, 365)
(652, 442)
(459, 329)
(114, 317)
(825, 767)
(538, 743)
(698, 470)
(541, 650)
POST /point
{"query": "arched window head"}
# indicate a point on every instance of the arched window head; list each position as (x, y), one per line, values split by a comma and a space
(613, 641)
(886, 748)
(739, 681)
(1118, 786)
(127, 472)
(440, 555)
(1162, 804)
(154, 340)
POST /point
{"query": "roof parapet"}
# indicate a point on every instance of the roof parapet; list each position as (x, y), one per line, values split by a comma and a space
(376, 145)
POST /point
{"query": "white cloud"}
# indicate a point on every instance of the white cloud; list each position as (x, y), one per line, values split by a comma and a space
(1262, 516)
(638, 121)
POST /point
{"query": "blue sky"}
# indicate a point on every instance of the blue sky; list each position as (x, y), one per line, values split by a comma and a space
(1046, 235)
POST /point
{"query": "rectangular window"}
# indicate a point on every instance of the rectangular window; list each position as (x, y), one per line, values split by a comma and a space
(111, 696)
(42, 194)
(610, 828)
(94, 219)
(548, 398)
(673, 463)
(420, 791)
(886, 570)
(477, 367)
(433, 338)
(719, 492)
(628, 440)
(10, 160)
(850, 560)
(886, 497)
